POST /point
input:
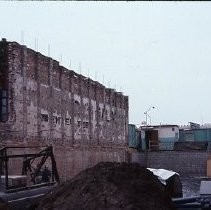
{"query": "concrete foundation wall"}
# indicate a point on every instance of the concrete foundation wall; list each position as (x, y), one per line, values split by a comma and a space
(185, 163)
(51, 105)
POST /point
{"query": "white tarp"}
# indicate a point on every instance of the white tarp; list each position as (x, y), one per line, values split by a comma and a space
(162, 174)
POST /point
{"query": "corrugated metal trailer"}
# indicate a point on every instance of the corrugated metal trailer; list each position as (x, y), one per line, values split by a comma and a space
(134, 137)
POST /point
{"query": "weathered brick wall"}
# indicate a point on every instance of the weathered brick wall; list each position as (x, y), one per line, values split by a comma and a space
(51, 105)
(183, 162)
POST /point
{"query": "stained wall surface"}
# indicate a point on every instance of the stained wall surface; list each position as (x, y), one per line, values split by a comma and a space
(51, 105)
(186, 163)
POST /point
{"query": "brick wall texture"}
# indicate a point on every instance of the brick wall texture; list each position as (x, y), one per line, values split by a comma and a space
(193, 163)
(51, 105)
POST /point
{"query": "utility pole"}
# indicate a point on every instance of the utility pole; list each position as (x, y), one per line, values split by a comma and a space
(147, 115)
(147, 141)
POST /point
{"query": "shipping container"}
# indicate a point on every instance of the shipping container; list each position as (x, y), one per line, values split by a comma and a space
(134, 137)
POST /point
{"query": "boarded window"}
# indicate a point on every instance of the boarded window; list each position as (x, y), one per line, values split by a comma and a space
(67, 121)
(56, 120)
(79, 123)
(44, 117)
(3, 105)
(85, 124)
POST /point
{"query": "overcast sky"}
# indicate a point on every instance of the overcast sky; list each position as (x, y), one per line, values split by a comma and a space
(157, 53)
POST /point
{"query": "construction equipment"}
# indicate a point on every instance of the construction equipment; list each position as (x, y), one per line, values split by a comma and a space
(22, 188)
(201, 202)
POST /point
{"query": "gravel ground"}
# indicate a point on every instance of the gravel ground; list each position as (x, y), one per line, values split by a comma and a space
(191, 186)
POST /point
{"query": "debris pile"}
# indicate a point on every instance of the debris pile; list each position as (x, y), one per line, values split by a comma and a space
(4, 205)
(110, 186)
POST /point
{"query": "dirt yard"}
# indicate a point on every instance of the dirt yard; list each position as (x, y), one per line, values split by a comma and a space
(110, 186)
(3, 205)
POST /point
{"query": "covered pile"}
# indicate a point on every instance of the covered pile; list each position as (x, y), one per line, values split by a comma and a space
(110, 186)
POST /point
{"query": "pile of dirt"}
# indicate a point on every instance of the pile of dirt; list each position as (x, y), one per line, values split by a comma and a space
(110, 186)
(3, 205)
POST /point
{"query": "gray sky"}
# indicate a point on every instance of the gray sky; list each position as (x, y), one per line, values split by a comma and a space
(157, 53)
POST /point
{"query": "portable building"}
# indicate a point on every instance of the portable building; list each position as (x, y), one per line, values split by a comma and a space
(159, 137)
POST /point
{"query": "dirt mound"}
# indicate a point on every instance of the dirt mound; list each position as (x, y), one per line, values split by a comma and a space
(3, 205)
(110, 186)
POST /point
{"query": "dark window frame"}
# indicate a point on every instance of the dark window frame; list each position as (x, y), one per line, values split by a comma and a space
(3, 106)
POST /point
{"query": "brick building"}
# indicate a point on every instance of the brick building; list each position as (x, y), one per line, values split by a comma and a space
(43, 103)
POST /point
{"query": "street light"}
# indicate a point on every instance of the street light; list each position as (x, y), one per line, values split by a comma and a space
(147, 140)
(147, 115)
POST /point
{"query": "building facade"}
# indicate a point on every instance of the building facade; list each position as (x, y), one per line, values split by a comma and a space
(159, 137)
(43, 103)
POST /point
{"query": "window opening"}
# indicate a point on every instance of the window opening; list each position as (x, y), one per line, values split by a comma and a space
(3, 105)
